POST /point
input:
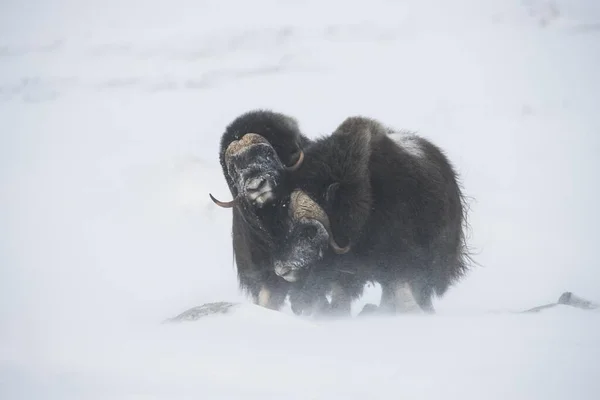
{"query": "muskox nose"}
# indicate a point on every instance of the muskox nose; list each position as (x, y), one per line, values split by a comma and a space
(281, 269)
(255, 184)
(286, 272)
(259, 190)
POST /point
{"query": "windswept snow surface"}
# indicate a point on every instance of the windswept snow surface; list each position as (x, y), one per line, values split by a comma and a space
(110, 117)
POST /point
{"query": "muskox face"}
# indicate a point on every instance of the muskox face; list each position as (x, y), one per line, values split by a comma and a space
(256, 170)
(306, 243)
(308, 240)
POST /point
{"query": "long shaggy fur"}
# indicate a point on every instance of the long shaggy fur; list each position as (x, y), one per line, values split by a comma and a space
(280, 130)
(397, 202)
(258, 232)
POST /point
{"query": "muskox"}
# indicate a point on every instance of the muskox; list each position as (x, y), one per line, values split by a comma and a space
(258, 151)
(373, 205)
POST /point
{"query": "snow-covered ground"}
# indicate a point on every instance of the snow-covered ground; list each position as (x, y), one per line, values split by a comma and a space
(110, 117)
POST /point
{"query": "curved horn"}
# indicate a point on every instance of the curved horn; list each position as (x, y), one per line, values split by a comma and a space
(224, 204)
(245, 141)
(336, 248)
(297, 164)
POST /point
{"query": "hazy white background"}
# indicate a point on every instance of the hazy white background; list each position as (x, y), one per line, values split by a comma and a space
(110, 118)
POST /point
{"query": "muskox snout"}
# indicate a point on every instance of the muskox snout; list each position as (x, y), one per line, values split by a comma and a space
(286, 271)
(260, 190)
(281, 269)
(256, 184)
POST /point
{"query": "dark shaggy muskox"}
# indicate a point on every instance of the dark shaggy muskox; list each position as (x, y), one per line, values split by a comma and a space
(258, 151)
(372, 205)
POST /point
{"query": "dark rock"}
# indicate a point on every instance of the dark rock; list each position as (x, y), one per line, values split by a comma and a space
(221, 307)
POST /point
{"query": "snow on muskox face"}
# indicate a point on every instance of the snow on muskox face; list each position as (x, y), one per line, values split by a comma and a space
(305, 245)
(255, 169)
(308, 240)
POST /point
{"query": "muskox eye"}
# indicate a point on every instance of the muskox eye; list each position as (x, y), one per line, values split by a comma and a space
(309, 232)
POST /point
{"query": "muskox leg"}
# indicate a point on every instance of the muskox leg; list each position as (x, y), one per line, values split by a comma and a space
(399, 297)
(320, 306)
(387, 305)
(264, 297)
(341, 301)
(404, 299)
(305, 301)
(270, 296)
(316, 307)
(423, 295)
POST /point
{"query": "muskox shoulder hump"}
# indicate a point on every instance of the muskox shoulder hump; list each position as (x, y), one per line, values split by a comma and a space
(353, 142)
(410, 143)
(366, 128)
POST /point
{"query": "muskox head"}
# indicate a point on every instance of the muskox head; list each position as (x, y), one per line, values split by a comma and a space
(257, 150)
(309, 238)
(255, 169)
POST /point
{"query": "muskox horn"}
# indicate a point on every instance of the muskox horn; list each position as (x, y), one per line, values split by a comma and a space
(297, 164)
(224, 204)
(336, 248)
(245, 141)
(302, 206)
